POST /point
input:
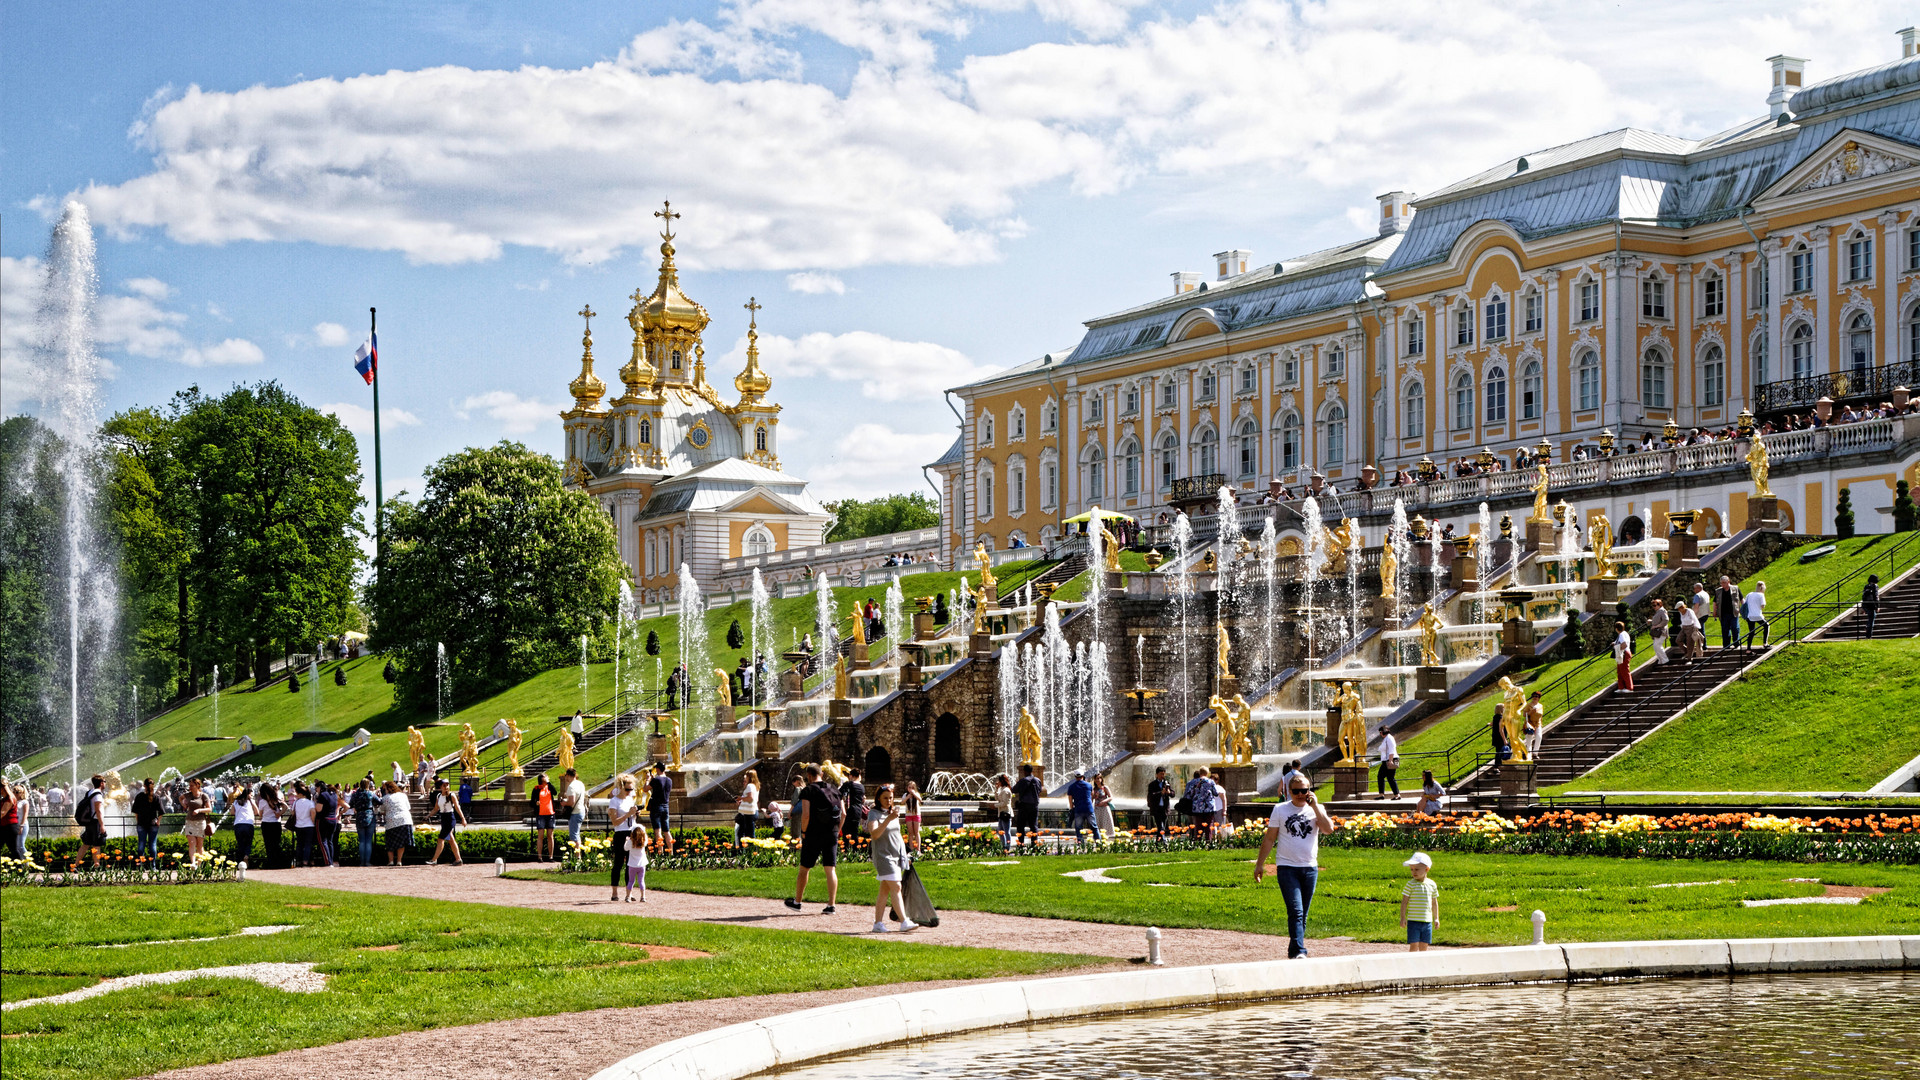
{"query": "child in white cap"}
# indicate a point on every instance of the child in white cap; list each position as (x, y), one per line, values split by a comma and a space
(1419, 903)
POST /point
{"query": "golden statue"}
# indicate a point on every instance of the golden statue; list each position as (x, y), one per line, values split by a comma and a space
(1029, 735)
(841, 684)
(1243, 731)
(416, 746)
(469, 752)
(1513, 717)
(832, 773)
(1225, 721)
(1602, 533)
(1109, 544)
(1389, 566)
(723, 687)
(1221, 645)
(980, 610)
(514, 737)
(673, 742)
(986, 565)
(1339, 540)
(1540, 490)
(1757, 466)
(563, 754)
(859, 625)
(1429, 625)
(1353, 725)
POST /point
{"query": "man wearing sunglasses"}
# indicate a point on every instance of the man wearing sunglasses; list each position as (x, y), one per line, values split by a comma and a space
(1293, 839)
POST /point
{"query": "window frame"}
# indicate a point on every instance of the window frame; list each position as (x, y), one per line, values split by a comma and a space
(1416, 336)
(1590, 302)
(1859, 257)
(1713, 376)
(1248, 440)
(1653, 297)
(1462, 398)
(1533, 386)
(1413, 410)
(1713, 296)
(1291, 452)
(1463, 326)
(1800, 273)
(1859, 361)
(1493, 394)
(1800, 350)
(1334, 436)
(1654, 380)
(1169, 453)
(1533, 309)
(1587, 371)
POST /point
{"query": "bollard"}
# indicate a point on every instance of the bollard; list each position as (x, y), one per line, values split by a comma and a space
(499, 868)
(1539, 927)
(243, 870)
(1153, 946)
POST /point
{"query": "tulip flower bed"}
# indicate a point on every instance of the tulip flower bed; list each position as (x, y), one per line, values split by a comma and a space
(167, 868)
(1755, 836)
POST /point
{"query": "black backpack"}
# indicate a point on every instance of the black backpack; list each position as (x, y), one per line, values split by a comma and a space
(83, 810)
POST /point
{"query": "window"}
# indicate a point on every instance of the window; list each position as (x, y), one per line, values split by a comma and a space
(758, 541)
(1016, 490)
(1096, 472)
(1462, 402)
(1016, 424)
(1416, 336)
(1653, 298)
(1913, 333)
(1206, 386)
(1209, 453)
(1496, 395)
(1336, 437)
(760, 439)
(1289, 442)
(1530, 391)
(1913, 249)
(1713, 377)
(1653, 380)
(1589, 301)
(1131, 398)
(1713, 296)
(1050, 417)
(676, 359)
(1760, 358)
(1463, 326)
(1049, 484)
(1800, 350)
(1169, 393)
(1589, 368)
(1535, 312)
(1802, 270)
(1413, 412)
(985, 429)
(1249, 379)
(1130, 466)
(1497, 319)
(985, 499)
(1860, 257)
(646, 433)
(1169, 460)
(1249, 440)
(1860, 343)
(1761, 275)
(1096, 407)
(1290, 370)
(1336, 360)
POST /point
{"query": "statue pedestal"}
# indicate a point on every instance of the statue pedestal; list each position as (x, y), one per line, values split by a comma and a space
(993, 592)
(909, 676)
(1140, 737)
(1420, 587)
(923, 626)
(1422, 553)
(1541, 536)
(839, 712)
(1602, 591)
(1039, 773)
(1349, 782)
(859, 661)
(1379, 611)
(1333, 729)
(1503, 551)
(1683, 551)
(1518, 637)
(766, 745)
(1239, 780)
(980, 646)
(1516, 786)
(1763, 513)
(677, 798)
(516, 788)
(1429, 683)
(1116, 580)
(659, 748)
(1465, 573)
(724, 719)
(792, 681)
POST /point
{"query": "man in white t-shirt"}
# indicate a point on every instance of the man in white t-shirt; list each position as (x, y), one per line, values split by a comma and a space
(1754, 607)
(1389, 765)
(574, 805)
(1293, 839)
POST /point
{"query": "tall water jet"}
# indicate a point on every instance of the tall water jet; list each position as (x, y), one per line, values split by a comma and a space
(622, 664)
(760, 627)
(1400, 539)
(695, 659)
(1012, 694)
(216, 705)
(313, 690)
(1310, 576)
(892, 611)
(1484, 549)
(825, 621)
(1183, 615)
(1270, 595)
(440, 680)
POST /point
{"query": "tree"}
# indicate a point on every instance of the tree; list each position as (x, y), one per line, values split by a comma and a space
(1903, 508)
(1843, 514)
(498, 562)
(736, 638)
(855, 518)
(153, 504)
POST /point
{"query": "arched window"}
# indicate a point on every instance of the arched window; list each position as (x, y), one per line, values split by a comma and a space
(1800, 350)
(1496, 395)
(1209, 453)
(1096, 460)
(757, 541)
(1336, 438)
(646, 433)
(1249, 446)
(1413, 411)
(676, 359)
(1289, 442)
(1653, 379)
(983, 499)
(1760, 364)
(1713, 376)
(1130, 466)
(1462, 401)
(1589, 367)
(760, 439)
(1532, 391)
(1169, 460)
(1860, 343)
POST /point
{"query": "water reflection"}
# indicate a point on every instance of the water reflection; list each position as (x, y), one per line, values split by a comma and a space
(1779, 1027)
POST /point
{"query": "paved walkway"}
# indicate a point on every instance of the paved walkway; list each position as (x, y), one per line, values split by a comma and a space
(573, 1046)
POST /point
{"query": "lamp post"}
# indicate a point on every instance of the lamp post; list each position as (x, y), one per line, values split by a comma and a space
(1745, 423)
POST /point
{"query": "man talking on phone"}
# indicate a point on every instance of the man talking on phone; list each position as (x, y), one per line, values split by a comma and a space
(1293, 839)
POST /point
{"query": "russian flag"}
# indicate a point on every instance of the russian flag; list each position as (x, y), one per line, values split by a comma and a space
(366, 361)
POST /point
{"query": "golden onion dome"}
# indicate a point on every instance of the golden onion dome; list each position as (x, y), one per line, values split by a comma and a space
(587, 389)
(752, 383)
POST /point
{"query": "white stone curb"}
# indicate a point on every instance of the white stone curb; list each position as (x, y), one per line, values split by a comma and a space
(741, 1050)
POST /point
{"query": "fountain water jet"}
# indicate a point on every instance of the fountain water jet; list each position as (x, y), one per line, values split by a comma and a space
(760, 620)
(440, 680)
(695, 659)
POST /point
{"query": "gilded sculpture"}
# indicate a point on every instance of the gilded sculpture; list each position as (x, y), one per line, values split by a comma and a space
(1243, 731)
(841, 683)
(1109, 544)
(980, 610)
(859, 624)
(563, 753)
(1339, 541)
(1222, 645)
(1389, 566)
(1540, 491)
(832, 772)
(1513, 717)
(1225, 722)
(1029, 733)
(1429, 625)
(1353, 725)
(416, 746)
(1757, 466)
(722, 688)
(514, 738)
(673, 742)
(986, 565)
(1601, 530)
(469, 751)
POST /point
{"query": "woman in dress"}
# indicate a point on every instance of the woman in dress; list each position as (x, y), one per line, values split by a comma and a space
(889, 854)
(399, 812)
(622, 810)
(198, 809)
(272, 811)
(1103, 807)
(446, 809)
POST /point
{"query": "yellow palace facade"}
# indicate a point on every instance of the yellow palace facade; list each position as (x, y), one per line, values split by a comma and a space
(1612, 285)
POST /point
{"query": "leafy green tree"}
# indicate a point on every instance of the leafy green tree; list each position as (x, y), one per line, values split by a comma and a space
(856, 518)
(1843, 514)
(498, 562)
(153, 505)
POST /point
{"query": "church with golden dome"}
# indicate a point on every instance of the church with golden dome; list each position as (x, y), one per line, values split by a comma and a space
(686, 477)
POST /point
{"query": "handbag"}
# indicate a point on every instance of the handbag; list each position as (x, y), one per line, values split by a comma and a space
(1185, 805)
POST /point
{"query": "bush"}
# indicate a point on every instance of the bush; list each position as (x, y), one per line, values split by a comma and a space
(1843, 515)
(1904, 514)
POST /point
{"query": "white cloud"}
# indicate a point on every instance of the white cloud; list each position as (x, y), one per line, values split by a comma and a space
(516, 414)
(329, 334)
(873, 459)
(359, 418)
(813, 281)
(151, 288)
(229, 352)
(886, 369)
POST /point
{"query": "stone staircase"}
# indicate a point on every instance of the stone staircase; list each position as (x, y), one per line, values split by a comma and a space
(1899, 613)
(547, 761)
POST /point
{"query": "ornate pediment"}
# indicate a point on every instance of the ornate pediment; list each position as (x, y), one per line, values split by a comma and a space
(1854, 161)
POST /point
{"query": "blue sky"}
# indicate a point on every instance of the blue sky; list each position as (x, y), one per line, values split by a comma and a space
(917, 191)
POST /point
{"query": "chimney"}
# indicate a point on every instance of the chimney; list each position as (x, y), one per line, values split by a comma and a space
(1185, 281)
(1787, 72)
(1396, 212)
(1909, 42)
(1231, 263)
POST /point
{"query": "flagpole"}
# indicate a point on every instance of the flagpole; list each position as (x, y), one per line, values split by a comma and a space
(379, 500)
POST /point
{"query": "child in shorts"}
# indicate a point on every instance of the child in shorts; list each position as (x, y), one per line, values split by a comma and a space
(637, 862)
(1419, 903)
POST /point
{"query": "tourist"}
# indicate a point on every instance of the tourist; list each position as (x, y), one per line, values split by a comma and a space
(1659, 623)
(818, 824)
(88, 808)
(910, 816)
(637, 860)
(14, 810)
(1432, 795)
(1622, 658)
(448, 812)
(362, 802)
(575, 805)
(1419, 903)
(776, 819)
(1159, 799)
(1702, 608)
(542, 819)
(853, 801)
(1026, 807)
(146, 820)
(622, 810)
(56, 801)
(1293, 839)
(326, 801)
(305, 834)
(241, 807)
(1103, 807)
(659, 798)
(746, 810)
(1726, 608)
(1690, 649)
(1219, 803)
(1536, 725)
(1003, 809)
(466, 793)
(793, 803)
(399, 814)
(196, 806)
(1502, 750)
(1199, 799)
(1389, 765)
(1080, 807)
(1754, 607)
(888, 851)
(273, 812)
(1869, 605)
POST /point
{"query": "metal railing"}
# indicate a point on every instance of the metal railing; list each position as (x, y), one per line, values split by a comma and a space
(1809, 616)
(1855, 384)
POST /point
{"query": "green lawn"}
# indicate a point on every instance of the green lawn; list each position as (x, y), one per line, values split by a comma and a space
(1075, 588)
(1818, 717)
(455, 964)
(1586, 899)
(1790, 581)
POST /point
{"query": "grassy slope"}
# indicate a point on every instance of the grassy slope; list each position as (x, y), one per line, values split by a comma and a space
(1789, 581)
(456, 964)
(1818, 717)
(1076, 589)
(1586, 899)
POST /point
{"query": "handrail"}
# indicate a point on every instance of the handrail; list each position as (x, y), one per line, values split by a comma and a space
(1893, 570)
(1560, 686)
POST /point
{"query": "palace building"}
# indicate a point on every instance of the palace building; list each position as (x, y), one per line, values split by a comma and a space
(1596, 291)
(686, 477)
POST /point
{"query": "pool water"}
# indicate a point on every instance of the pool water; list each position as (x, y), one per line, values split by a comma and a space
(1835, 1027)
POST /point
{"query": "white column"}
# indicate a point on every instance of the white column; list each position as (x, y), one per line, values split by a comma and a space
(1684, 373)
(1824, 359)
(1777, 282)
(1556, 370)
(1886, 320)
(1070, 456)
(1264, 374)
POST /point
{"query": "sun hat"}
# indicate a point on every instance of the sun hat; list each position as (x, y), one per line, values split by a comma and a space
(1420, 858)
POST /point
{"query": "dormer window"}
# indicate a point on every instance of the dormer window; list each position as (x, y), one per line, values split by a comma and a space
(1653, 298)
(1713, 296)
(1860, 258)
(1534, 316)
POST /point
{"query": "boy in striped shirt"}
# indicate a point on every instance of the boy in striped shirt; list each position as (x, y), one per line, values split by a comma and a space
(1419, 903)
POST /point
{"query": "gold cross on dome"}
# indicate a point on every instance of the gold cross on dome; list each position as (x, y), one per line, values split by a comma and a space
(753, 307)
(586, 312)
(666, 216)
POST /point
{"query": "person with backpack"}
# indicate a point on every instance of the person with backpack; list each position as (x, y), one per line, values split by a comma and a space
(853, 800)
(87, 814)
(1200, 801)
(363, 801)
(1026, 807)
(659, 797)
(821, 813)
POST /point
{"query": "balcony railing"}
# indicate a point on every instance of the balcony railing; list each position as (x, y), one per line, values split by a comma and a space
(1858, 384)
(1191, 489)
